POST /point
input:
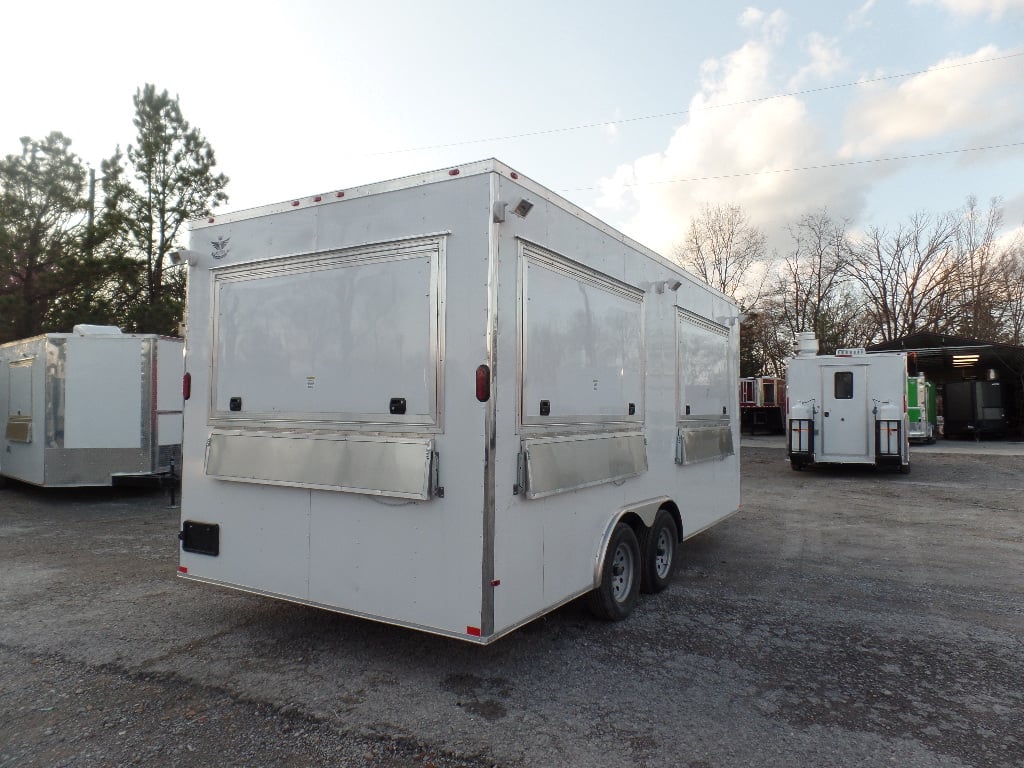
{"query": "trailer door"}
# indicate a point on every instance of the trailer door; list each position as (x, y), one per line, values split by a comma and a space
(844, 412)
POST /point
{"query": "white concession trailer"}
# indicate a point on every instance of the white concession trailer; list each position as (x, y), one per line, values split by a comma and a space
(90, 407)
(846, 408)
(451, 402)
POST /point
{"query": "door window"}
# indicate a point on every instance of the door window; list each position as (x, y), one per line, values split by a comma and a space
(844, 385)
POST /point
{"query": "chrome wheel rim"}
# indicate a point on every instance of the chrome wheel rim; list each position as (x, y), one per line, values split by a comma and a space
(623, 569)
(663, 551)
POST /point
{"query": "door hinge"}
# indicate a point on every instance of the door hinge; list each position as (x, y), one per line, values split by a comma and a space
(520, 485)
(436, 489)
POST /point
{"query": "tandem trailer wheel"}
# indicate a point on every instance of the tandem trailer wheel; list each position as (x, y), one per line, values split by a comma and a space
(659, 553)
(616, 596)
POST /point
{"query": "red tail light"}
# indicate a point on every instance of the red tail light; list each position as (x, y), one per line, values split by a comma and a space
(483, 383)
(186, 386)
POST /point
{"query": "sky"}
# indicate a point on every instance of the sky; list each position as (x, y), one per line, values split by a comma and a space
(642, 113)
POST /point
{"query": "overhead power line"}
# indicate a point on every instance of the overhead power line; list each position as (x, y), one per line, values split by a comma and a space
(818, 167)
(678, 113)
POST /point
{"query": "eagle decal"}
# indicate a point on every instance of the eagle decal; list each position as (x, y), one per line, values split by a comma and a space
(220, 247)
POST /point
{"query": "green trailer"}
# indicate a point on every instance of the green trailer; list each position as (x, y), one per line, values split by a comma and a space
(921, 409)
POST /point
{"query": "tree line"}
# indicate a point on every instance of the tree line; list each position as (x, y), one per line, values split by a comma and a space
(954, 273)
(80, 248)
(77, 247)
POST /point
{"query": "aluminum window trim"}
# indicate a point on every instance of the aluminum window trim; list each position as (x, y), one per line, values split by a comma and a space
(431, 246)
(529, 252)
(684, 315)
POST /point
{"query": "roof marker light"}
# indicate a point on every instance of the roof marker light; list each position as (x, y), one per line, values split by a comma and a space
(473, 631)
(453, 172)
(318, 198)
(294, 203)
(210, 220)
(186, 385)
(339, 194)
(514, 175)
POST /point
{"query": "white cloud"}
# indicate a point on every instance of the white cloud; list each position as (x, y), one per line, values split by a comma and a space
(826, 61)
(861, 18)
(751, 17)
(973, 102)
(738, 148)
(771, 26)
(995, 9)
(731, 152)
(1013, 215)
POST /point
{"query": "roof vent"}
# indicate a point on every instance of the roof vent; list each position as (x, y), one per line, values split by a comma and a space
(806, 345)
(96, 330)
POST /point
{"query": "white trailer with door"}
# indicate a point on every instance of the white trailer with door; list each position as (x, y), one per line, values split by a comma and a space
(451, 402)
(90, 407)
(846, 408)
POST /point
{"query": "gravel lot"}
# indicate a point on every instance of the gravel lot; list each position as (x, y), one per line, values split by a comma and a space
(843, 618)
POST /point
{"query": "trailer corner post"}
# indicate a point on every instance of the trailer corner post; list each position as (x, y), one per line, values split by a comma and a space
(488, 582)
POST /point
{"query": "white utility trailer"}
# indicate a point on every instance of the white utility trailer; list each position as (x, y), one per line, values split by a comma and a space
(90, 407)
(452, 402)
(846, 408)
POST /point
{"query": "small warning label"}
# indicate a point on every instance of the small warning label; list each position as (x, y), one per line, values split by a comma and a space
(311, 382)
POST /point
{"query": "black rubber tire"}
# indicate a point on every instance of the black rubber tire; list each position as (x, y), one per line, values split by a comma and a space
(796, 465)
(617, 595)
(659, 553)
(905, 468)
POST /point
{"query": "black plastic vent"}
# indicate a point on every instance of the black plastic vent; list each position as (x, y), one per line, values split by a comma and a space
(200, 538)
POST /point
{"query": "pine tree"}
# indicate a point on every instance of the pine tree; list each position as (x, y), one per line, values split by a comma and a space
(169, 179)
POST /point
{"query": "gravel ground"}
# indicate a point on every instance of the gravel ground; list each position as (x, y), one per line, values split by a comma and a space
(844, 617)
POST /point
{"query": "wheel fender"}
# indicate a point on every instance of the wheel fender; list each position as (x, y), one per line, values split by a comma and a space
(644, 510)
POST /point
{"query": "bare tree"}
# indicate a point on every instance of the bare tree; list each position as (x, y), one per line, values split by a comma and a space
(727, 252)
(904, 275)
(812, 292)
(765, 346)
(1012, 277)
(977, 291)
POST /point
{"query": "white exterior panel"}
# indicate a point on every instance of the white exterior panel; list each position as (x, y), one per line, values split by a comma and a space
(170, 360)
(25, 411)
(562, 308)
(94, 402)
(272, 353)
(836, 404)
(581, 350)
(103, 394)
(845, 433)
(547, 549)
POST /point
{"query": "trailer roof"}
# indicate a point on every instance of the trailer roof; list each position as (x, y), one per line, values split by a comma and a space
(440, 175)
(72, 335)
